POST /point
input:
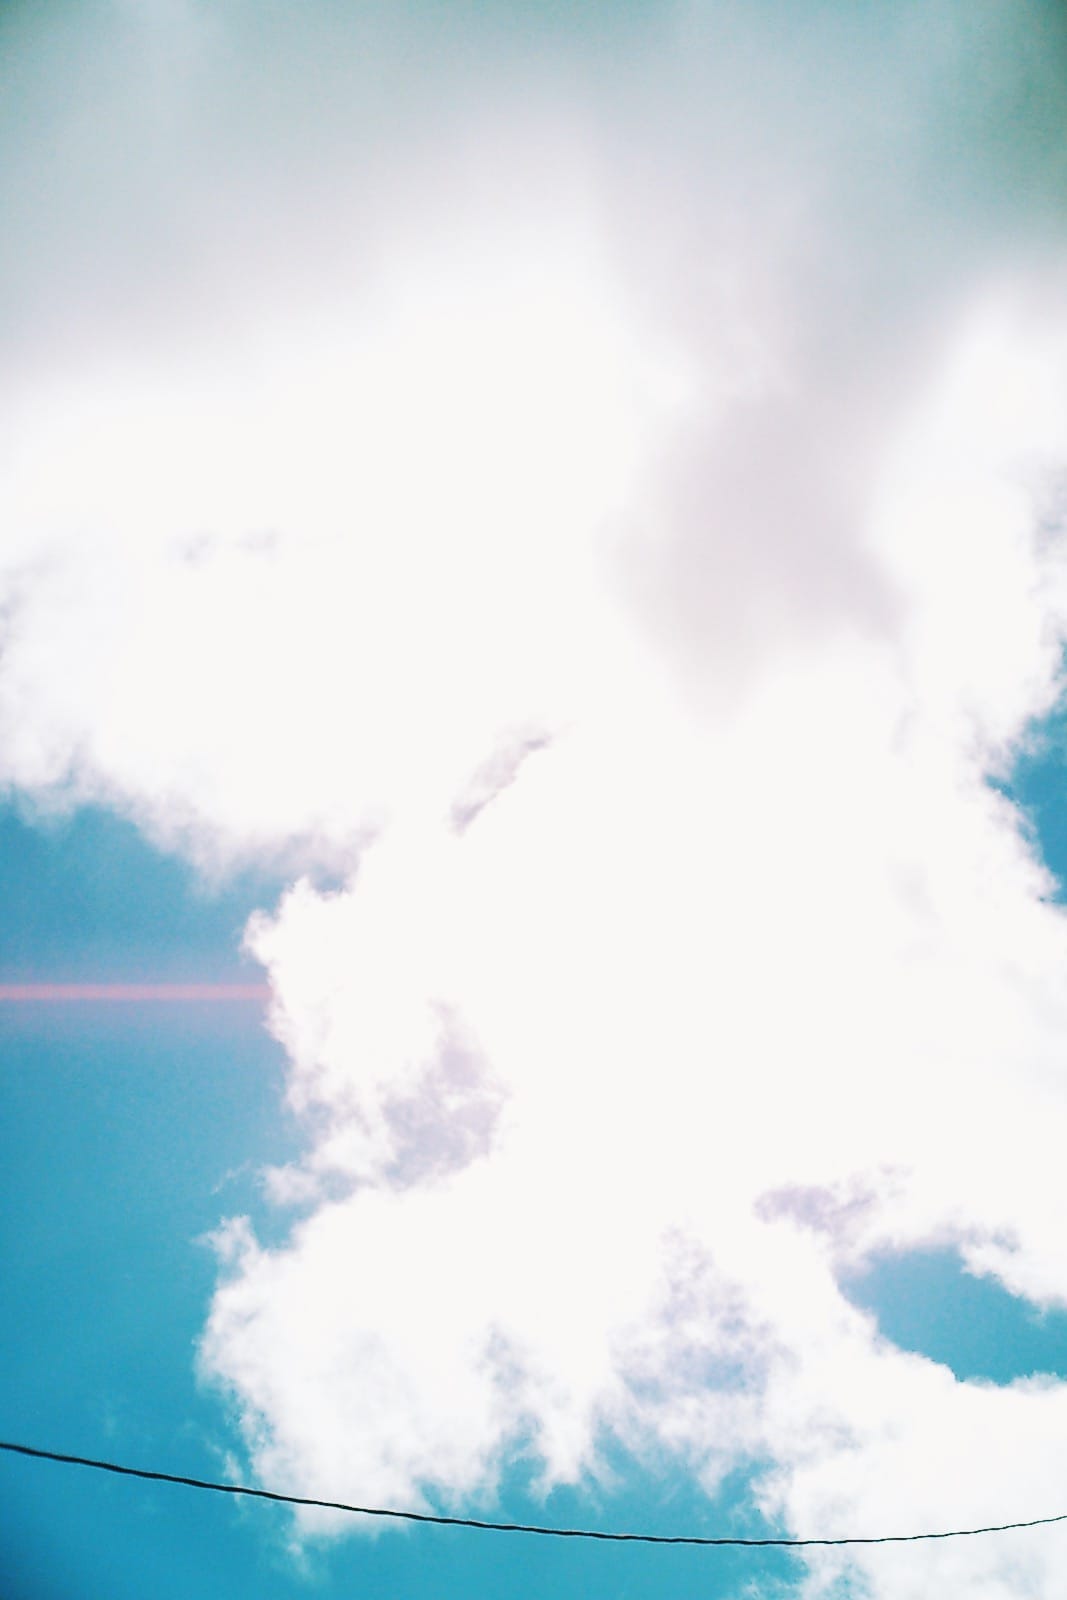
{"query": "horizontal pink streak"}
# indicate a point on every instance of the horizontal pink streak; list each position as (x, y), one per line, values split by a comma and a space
(52, 993)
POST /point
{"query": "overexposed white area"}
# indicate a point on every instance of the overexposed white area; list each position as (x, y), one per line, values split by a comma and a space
(592, 511)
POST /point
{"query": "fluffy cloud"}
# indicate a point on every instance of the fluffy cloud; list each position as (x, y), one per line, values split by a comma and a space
(622, 566)
(688, 966)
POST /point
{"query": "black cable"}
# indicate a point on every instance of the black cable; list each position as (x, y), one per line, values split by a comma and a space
(504, 1527)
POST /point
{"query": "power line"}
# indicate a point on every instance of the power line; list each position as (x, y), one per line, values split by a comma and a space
(505, 1527)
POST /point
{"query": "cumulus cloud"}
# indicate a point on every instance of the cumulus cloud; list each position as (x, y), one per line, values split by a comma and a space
(614, 532)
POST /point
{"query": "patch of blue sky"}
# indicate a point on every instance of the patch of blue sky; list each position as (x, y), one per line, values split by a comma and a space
(926, 1301)
(1038, 785)
(86, 899)
(126, 1133)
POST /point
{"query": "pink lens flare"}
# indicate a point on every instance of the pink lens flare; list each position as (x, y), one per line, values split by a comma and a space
(133, 993)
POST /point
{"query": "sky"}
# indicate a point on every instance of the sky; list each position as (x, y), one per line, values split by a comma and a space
(533, 589)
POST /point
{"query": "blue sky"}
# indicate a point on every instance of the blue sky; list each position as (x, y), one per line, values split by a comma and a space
(533, 539)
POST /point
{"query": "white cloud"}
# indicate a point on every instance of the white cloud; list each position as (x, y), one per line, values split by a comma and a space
(305, 589)
(623, 568)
